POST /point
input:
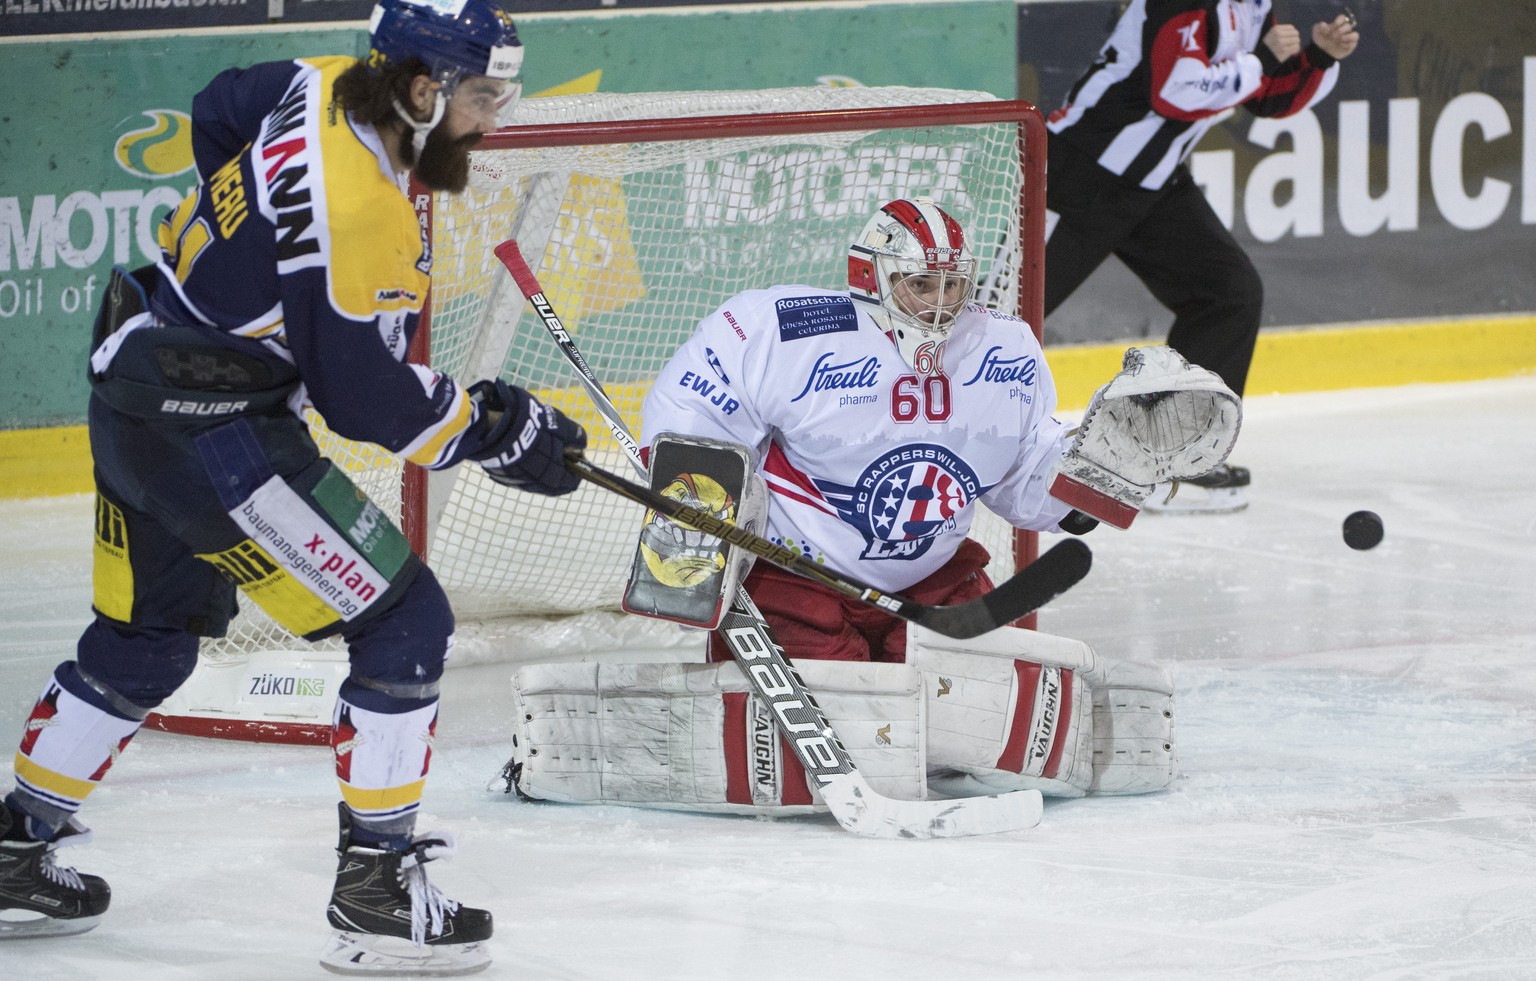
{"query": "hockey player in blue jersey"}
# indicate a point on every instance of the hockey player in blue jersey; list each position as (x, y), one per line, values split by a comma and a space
(293, 275)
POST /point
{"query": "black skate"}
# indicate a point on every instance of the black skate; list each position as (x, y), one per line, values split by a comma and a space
(1221, 491)
(39, 898)
(390, 920)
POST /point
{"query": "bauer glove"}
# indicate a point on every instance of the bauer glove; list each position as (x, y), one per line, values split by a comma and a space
(528, 440)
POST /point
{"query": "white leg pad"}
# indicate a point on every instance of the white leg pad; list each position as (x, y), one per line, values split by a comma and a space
(1133, 746)
(693, 737)
(1018, 709)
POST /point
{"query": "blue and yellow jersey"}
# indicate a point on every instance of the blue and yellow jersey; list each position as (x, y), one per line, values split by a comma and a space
(300, 240)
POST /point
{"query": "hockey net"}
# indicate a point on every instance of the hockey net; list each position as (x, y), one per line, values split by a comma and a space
(640, 214)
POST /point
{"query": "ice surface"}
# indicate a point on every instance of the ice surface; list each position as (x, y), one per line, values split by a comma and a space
(1357, 796)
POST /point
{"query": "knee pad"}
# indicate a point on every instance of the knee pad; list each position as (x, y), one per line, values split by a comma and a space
(141, 666)
(406, 645)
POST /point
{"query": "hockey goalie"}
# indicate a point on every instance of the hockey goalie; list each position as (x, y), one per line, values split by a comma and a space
(861, 428)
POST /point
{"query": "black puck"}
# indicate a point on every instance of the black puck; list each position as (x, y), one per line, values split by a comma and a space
(1363, 530)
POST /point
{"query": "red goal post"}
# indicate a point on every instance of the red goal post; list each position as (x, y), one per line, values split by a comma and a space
(640, 214)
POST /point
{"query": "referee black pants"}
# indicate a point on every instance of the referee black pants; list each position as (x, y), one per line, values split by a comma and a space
(1174, 243)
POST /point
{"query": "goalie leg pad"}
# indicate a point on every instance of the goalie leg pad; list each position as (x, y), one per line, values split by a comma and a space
(1014, 723)
(693, 736)
(1019, 709)
(1133, 746)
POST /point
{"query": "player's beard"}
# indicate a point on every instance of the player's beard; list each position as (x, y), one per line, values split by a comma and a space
(444, 162)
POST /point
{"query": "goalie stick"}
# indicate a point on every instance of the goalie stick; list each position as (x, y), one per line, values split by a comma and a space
(1037, 584)
(855, 805)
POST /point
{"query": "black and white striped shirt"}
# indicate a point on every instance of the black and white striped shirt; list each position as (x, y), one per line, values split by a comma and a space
(1174, 68)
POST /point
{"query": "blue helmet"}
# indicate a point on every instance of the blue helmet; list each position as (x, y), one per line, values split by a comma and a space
(453, 37)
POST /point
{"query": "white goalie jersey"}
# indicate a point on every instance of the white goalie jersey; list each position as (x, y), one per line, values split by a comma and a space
(871, 468)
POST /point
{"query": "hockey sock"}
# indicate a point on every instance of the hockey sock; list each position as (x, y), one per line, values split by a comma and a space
(70, 740)
(383, 747)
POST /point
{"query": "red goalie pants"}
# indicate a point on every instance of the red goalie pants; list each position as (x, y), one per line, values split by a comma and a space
(815, 621)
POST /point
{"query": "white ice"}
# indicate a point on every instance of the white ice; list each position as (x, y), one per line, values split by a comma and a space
(1357, 795)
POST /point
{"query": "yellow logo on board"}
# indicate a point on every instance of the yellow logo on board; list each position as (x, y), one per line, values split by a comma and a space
(161, 149)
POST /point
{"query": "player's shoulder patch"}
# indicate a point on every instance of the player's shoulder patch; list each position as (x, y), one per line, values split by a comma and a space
(814, 314)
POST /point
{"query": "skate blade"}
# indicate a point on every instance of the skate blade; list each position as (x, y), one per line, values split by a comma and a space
(1182, 498)
(43, 926)
(368, 954)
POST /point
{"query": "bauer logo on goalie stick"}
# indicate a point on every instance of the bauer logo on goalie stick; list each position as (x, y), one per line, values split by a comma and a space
(798, 718)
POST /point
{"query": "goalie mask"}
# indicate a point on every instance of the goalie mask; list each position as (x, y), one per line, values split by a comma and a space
(913, 272)
(455, 39)
(679, 556)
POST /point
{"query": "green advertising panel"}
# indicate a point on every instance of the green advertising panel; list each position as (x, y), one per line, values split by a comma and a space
(955, 44)
(96, 148)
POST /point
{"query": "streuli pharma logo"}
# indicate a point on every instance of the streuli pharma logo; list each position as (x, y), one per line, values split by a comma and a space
(161, 149)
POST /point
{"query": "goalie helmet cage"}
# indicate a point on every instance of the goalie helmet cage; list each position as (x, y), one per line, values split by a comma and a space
(640, 214)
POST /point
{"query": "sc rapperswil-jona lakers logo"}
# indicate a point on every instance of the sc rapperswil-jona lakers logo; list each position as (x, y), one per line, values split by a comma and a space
(905, 499)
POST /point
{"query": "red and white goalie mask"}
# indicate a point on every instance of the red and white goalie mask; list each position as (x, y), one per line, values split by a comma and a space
(912, 269)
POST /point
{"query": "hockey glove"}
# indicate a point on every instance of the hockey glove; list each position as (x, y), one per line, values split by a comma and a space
(1159, 419)
(528, 440)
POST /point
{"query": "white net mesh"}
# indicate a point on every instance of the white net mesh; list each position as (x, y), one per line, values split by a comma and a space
(634, 242)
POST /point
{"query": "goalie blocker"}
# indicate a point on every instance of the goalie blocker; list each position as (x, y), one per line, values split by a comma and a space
(685, 575)
(1013, 710)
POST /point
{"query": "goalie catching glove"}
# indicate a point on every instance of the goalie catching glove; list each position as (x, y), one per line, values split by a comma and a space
(1159, 419)
(528, 440)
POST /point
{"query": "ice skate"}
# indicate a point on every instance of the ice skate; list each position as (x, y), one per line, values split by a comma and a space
(1221, 491)
(39, 898)
(390, 920)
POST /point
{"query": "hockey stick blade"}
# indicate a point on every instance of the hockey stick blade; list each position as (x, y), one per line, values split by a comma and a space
(1063, 566)
(861, 810)
(1037, 584)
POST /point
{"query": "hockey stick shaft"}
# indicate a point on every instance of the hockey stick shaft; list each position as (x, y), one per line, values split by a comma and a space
(1045, 579)
(512, 258)
(855, 805)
